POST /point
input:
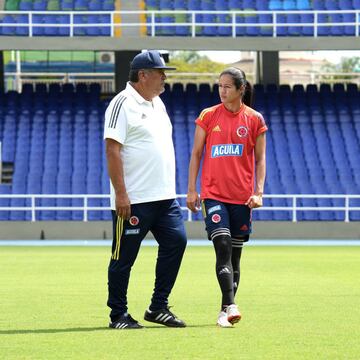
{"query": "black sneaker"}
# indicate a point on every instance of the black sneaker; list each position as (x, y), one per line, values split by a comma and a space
(163, 317)
(125, 322)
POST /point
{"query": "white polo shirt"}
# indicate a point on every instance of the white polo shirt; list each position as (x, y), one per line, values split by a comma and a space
(145, 131)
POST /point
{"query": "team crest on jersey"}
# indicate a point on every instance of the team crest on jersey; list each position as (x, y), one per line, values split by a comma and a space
(216, 218)
(134, 220)
(242, 131)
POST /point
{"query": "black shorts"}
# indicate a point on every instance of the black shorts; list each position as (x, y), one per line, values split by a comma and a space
(226, 219)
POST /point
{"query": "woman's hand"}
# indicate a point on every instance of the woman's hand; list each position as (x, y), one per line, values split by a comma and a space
(254, 201)
(193, 201)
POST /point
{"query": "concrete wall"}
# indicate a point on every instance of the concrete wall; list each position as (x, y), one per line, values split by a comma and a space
(179, 43)
(103, 230)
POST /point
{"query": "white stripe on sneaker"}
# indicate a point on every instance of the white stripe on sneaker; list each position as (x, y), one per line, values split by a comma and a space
(168, 318)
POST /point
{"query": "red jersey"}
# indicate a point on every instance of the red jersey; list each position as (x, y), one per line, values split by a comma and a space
(229, 158)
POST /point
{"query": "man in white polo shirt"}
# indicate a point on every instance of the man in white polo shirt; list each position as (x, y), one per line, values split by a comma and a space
(141, 165)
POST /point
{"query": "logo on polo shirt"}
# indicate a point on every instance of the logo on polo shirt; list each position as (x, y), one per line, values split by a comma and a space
(226, 150)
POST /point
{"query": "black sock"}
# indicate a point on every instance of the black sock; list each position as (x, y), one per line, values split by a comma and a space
(224, 271)
(235, 261)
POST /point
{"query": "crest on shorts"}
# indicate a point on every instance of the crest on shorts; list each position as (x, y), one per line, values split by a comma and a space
(216, 218)
(134, 220)
(242, 131)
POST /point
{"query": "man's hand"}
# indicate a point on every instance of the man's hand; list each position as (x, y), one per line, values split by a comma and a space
(193, 201)
(122, 204)
(254, 201)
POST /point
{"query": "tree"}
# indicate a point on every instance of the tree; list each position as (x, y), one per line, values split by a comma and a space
(195, 64)
(345, 66)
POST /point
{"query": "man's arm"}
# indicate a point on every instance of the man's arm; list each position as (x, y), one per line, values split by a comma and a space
(116, 173)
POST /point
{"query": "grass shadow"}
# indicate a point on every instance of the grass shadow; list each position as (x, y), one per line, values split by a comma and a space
(85, 329)
(51, 331)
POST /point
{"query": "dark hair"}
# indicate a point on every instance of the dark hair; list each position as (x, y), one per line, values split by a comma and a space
(239, 79)
(134, 75)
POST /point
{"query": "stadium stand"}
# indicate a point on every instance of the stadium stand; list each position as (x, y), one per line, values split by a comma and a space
(220, 24)
(214, 17)
(53, 136)
(55, 25)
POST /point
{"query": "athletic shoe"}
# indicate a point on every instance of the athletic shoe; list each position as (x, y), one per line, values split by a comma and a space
(233, 314)
(222, 320)
(163, 317)
(125, 322)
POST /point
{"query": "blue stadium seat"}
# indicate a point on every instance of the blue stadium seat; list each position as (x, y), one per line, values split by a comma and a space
(275, 5)
(64, 20)
(95, 5)
(331, 4)
(63, 182)
(105, 30)
(303, 4)
(78, 186)
(26, 5)
(180, 4)
(108, 5)
(22, 20)
(81, 5)
(221, 5)
(66, 5)
(39, 5)
(7, 20)
(318, 4)
(345, 4)
(4, 202)
(51, 29)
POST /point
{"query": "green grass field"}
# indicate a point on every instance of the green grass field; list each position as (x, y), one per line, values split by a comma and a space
(297, 303)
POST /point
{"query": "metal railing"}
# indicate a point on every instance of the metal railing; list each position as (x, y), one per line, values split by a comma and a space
(190, 19)
(294, 208)
(15, 80)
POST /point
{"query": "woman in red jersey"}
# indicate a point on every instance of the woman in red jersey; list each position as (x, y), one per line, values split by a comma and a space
(230, 140)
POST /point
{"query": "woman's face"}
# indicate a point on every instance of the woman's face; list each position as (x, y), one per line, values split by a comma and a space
(227, 90)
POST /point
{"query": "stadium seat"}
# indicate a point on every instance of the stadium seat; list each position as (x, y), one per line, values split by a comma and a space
(95, 5)
(108, 5)
(66, 5)
(81, 5)
(9, 30)
(275, 5)
(4, 202)
(345, 4)
(303, 5)
(26, 5)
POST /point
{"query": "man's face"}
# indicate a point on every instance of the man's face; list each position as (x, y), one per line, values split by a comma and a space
(154, 80)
